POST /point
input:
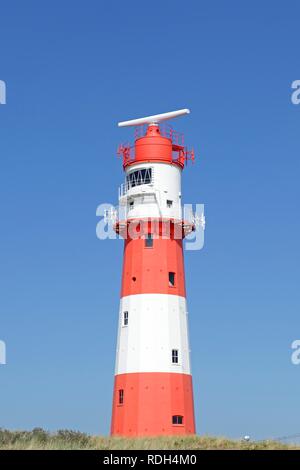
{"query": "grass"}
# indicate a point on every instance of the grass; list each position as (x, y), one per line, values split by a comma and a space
(68, 440)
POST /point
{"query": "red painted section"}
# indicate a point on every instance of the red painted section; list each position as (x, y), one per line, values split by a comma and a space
(153, 147)
(146, 270)
(150, 400)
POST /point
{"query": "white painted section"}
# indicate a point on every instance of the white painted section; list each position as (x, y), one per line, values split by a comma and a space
(150, 200)
(157, 323)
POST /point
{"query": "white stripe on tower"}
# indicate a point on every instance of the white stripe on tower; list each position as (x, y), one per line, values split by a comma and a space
(156, 325)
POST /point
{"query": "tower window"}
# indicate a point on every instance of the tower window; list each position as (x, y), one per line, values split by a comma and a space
(177, 419)
(121, 396)
(138, 177)
(149, 241)
(131, 204)
(125, 318)
(171, 279)
(175, 356)
(169, 203)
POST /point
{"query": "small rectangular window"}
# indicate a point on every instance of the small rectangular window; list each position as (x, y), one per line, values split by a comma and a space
(171, 279)
(149, 241)
(131, 204)
(121, 396)
(169, 203)
(175, 356)
(177, 419)
(125, 318)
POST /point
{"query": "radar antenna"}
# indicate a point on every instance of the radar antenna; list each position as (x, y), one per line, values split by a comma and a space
(155, 119)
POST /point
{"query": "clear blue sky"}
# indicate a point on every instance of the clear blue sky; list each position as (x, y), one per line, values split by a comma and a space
(73, 69)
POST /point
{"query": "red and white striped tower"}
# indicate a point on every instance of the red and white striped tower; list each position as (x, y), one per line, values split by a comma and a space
(153, 392)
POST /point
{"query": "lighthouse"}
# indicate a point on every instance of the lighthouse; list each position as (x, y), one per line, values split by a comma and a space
(153, 391)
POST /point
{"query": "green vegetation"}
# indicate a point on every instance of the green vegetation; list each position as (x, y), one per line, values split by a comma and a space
(65, 439)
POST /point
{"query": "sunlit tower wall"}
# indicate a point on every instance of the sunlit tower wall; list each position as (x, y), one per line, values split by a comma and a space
(153, 391)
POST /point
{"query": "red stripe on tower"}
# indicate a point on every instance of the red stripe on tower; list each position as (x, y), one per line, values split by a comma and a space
(153, 392)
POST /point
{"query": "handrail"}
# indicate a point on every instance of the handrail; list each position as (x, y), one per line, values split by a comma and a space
(166, 130)
(176, 138)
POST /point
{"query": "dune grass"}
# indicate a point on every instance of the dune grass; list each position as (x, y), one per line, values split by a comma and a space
(38, 439)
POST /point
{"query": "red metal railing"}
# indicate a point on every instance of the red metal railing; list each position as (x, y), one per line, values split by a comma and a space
(166, 130)
(127, 152)
(181, 156)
